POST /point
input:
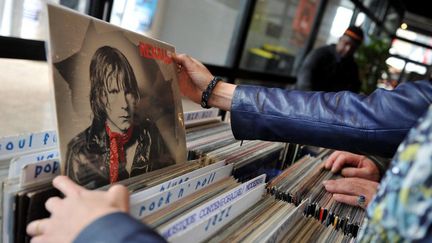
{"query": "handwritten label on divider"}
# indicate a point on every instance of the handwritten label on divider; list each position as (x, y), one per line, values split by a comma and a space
(40, 171)
(163, 199)
(141, 195)
(15, 145)
(17, 164)
(220, 218)
(200, 114)
(204, 211)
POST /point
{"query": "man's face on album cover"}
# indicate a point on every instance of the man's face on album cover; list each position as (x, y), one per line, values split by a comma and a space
(118, 107)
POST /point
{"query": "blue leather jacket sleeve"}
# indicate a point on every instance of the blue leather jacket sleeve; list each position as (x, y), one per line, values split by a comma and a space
(116, 228)
(373, 124)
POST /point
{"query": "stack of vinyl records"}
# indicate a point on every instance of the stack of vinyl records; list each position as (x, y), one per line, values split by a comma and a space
(208, 137)
(273, 220)
(199, 202)
(23, 203)
(226, 211)
(194, 205)
(27, 162)
(303, 181)
(215, 142)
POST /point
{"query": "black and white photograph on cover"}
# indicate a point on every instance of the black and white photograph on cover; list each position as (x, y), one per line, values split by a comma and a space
(118, 106)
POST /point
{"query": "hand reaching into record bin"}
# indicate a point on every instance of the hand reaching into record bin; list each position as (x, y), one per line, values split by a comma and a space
(81, 208)
(361, 180)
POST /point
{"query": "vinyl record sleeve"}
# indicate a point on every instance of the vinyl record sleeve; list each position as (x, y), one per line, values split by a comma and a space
(118, 105)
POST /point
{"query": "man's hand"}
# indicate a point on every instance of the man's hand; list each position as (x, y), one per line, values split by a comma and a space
(194, 76)
(78, 209)
(194, 79)
(348, 190)
(352, 165)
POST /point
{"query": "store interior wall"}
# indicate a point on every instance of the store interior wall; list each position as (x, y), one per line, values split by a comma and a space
(203, 39)
(271, 24)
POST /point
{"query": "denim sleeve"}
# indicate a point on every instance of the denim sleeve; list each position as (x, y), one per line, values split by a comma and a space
(116, 228)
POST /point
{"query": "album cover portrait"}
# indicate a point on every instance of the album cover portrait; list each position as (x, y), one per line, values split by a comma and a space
(118, 106)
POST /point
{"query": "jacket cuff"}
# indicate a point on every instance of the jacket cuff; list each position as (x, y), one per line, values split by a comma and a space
(240, 128)
(117, 227)
(381, 162)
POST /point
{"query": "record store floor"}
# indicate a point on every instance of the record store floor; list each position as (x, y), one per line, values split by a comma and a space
(25, 97)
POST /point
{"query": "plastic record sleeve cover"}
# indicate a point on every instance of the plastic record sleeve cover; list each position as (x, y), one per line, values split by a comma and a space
(118, 104)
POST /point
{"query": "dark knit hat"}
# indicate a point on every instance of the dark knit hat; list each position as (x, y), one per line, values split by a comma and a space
(355, 33)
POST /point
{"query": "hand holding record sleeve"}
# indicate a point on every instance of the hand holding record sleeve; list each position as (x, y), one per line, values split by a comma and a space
(352, 165)
(194, 76)
(194, 80)
(76, 210)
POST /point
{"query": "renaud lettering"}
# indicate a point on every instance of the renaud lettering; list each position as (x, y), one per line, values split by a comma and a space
(154, 52)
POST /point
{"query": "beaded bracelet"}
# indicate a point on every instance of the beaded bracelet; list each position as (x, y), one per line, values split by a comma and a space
(207, 93)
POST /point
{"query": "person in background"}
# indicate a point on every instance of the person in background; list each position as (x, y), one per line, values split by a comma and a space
(342, 120)
(332, 68)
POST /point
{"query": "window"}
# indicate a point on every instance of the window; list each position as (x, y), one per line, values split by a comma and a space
(337, 18)
(203, 29)
(24, 19)
(278, 33)
(415, 68)
(410, 35)
(135, 15)
(411, 51)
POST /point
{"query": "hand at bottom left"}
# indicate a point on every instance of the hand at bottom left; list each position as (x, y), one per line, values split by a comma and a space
(76, 210)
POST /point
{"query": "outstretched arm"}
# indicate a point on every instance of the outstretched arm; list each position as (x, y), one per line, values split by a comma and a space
(373, 124)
